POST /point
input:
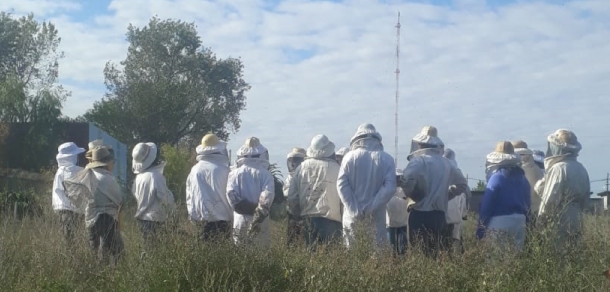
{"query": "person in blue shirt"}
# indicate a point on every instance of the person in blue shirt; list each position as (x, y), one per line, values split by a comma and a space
(504, 210)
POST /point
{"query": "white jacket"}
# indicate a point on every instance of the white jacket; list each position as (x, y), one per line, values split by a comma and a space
(565, 192)
(533, 173)
(206, 187)
(313, 189)
(155, 200)
(67, 168)
(252, 182)
(433, 174)
(397, 214)
(366, 183)
(456, 209)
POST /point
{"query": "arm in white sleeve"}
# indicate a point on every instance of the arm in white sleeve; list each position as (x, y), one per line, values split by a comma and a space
(552, 192)
(293, 195)
(388, 187)
(346, 193)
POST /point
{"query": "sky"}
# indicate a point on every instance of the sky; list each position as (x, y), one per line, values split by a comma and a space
(480, 71)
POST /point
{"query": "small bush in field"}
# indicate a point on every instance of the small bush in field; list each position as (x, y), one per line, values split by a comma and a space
(179, 164)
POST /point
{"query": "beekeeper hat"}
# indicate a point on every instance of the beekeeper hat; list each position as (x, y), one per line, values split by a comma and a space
(252, 148)
(143, 154)
(342, 151)
(100, 156)
(68, 149)
(321, 146)
(565, 140)
(297, 152)
(210, 143)
(521, 148)
(428, 135)
(504, 152)
(364, 131)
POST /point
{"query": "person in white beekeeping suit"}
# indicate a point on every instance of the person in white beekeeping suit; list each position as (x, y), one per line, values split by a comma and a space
(366, 183)
(250, 190)
(533, 173)
(340, 154)
(431, 181)
(457, 210)
(206, 186)
(155, 200)
(539, 159)
(397, 218)
(293, 161)
(69, 215)
(313, 196)
(564, 189)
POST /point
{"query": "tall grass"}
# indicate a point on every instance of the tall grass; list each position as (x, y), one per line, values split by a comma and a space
(33, 257)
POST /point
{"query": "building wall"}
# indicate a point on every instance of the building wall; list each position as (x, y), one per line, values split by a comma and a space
(120, 150)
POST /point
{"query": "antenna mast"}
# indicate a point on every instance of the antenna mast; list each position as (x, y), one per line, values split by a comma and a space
(397, 93)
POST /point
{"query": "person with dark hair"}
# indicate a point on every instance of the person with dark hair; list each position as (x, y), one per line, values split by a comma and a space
(155, 200)
(506, 203)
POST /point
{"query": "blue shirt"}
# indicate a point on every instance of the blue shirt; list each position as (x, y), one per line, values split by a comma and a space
(507, 193)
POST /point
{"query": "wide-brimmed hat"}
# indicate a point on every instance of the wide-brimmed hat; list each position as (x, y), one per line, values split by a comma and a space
(143, 154)
(366, 131)
(429, 136)
(297, 153)
(321, 146)
(565, 140)
(68, 149)
(253, 148)
(538, 156)
(521, 148)
(96, 143)
(342, 151)
(100, 156)
(210, 143)
(504, 153)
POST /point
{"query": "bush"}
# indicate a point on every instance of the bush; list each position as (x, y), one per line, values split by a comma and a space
(179, 164)
(24, 203)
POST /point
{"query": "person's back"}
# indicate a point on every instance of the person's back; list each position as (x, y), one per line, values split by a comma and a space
(206, 190)
(511, 190)
(249, 180)
(317, 185)
(435, 174)
(153, 198)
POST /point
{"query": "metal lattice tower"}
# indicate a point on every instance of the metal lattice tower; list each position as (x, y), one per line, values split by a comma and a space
(397, 91)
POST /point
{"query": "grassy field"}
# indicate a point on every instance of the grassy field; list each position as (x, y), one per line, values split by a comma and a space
(33, 258)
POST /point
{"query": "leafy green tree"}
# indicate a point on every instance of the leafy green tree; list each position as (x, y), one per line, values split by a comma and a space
(29, 66)
(170, 88)
(29, 90)
(481, 185)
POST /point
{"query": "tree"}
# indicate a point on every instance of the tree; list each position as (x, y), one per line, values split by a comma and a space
(170, 89)
(29, 71)
(481, 185)
(29, 89)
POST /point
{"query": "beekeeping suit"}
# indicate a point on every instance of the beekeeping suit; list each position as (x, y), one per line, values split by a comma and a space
(293, 160)
(366, 183)
(533, 173)
(565, 187)
(457, 207)
(251, 190)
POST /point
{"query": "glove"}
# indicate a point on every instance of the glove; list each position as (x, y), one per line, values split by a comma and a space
(260, 214)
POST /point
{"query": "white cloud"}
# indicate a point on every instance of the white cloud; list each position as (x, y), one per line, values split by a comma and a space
(480, 74)
(40, 8)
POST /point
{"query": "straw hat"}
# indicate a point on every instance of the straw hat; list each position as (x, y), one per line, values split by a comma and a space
(297, 152)
(143, 154)
(321, 146)
(364, 131)
(252, 147)
(210, 143)
(504, 152)
(566, 140)
(428, 135)
(100, 156)
(68, 149)
(96, 143)
(521, 148)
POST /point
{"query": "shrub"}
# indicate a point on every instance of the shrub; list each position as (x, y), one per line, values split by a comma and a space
(179, 164)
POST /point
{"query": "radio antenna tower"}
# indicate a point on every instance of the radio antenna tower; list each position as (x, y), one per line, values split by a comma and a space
(397, 72)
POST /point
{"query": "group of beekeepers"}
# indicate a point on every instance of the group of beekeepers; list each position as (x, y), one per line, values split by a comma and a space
(353, 194)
